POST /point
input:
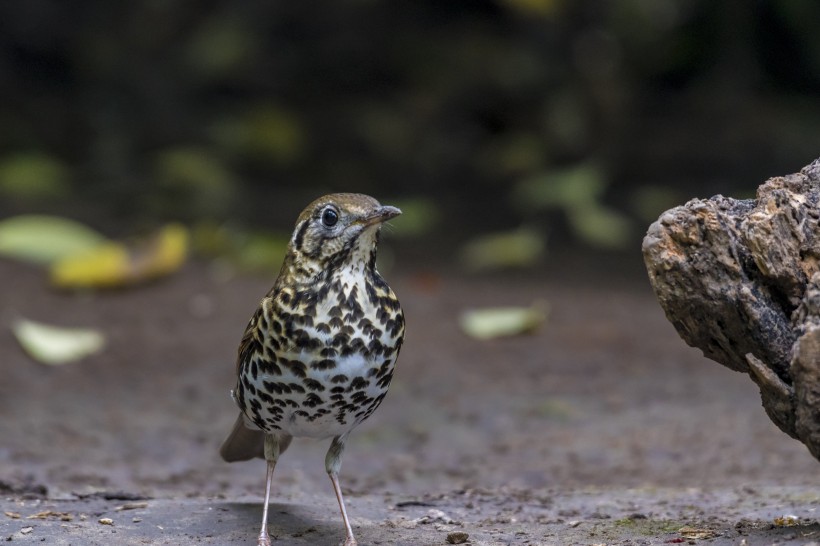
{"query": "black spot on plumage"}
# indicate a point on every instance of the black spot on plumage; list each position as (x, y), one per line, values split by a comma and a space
(291, 403)
(335, 311)
(340, 378)
(341, 340)
(301, 413)
(384, 382)
(270, 386)
(304, 341)
(358, 397)
(336, 323)
(312, 400)
(323, 328)
(375, 347)
(313, 384)
(296, 387)
(285, 298)
(269, 367)
(359, 383)
(337, 390)
(328, 352)
(372, 296)
(254, 370)
(276, 326)
(265, 397)
(296, 367)
(384, 368)
(324, 364)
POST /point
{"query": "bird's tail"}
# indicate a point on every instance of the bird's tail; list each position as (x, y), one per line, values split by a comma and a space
(243, 444)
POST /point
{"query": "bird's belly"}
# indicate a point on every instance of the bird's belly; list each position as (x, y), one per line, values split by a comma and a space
(323, 403)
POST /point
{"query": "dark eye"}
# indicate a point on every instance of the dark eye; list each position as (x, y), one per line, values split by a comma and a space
(330, 217)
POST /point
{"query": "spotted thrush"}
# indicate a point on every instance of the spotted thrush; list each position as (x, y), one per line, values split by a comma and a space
(318, 355)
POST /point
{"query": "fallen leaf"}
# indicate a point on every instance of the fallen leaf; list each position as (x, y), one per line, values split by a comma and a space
(62, 516)
(787, 520)
(695, 533)
(520, 248)
(502, 321)
(55, 345)
(44, 239)
(12, 515)
(131, 506)
(115, 264)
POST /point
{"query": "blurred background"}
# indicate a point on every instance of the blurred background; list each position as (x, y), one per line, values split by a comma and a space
(532, 139)
(549, 123)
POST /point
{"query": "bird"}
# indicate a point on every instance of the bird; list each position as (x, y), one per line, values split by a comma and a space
(318, 355)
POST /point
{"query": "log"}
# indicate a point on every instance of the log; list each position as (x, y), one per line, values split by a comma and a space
(740, 280)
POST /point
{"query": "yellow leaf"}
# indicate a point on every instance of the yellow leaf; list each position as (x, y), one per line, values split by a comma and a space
(53, 345)
(114, 264)
(496, 322)
(44, 239)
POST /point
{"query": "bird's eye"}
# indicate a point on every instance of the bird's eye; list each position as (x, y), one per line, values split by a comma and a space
(330, 217)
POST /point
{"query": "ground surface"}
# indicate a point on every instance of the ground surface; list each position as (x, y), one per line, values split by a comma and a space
(601, 428)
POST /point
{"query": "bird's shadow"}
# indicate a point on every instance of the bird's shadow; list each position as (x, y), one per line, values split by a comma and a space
(287, 523)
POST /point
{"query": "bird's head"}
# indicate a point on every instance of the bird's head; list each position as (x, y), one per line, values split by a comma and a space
(337, 230)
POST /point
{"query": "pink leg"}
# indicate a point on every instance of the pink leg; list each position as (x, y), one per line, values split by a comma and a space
(264, 539)
(349, 540)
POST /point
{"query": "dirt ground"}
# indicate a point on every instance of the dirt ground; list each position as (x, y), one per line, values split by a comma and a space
(600, 428)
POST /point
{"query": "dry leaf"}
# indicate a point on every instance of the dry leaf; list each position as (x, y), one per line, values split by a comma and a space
(114, 264)
(55, 345)
(502, 321)
(786, 521)
(695, 533)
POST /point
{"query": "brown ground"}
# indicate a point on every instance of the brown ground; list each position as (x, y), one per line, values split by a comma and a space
(602, 428)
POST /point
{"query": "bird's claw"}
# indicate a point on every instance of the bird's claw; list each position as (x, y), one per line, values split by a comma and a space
(264, 540)
(350, 541)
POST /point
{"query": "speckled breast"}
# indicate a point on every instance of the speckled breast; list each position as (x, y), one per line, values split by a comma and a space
(318, 362)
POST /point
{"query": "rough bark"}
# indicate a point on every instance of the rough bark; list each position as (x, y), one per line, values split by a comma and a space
(740, 279)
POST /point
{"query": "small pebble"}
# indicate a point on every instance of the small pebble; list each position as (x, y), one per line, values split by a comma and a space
(26, 530)
(106, 521)
(457, 538)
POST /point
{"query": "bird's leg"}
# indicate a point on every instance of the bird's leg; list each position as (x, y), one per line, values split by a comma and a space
(271, 456)
(333, 462)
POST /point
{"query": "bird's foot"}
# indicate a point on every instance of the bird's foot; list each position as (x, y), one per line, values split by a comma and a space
(350, 541)
(264, 539)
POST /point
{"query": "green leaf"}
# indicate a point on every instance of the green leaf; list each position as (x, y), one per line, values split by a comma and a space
(54, 345)
(601, 226)
(44, 239)
(32, 175)
(520, 248)
(567, 189)
(496, 322)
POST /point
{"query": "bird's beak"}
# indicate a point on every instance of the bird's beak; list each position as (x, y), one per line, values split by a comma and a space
(381, 214)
